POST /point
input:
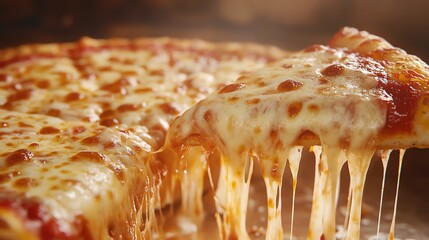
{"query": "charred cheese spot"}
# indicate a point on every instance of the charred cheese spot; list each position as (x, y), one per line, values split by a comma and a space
(109, 122)
(69, 182)
(108, 113)
(33, 145)
(307, 135)
(209, 116)
(24, 125)
(105, 68)
(289, 85)
(19, 156)
(169, 108)
(91, 141)
(117, 87)
(143, 90)
(287, 66)
(6, 177)
(232, 88)
(323, 80)
(112, 144)
(20, 95)
(233, 99)
(294, 109)
(89, 156)
(333, 70)
(313, 108)
(261, 83)
(49, 130)
(45, 84)
(25, 182)
(73, 96)
(253, 101)
(6, 78)
(128, 107)
(79, 129)
(54, 112)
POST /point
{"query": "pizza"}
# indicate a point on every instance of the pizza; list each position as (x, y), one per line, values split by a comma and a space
(344, 101)
(80, 123)
(72, 180)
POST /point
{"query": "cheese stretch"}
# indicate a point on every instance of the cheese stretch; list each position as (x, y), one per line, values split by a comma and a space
(82, 118)
(344, 100)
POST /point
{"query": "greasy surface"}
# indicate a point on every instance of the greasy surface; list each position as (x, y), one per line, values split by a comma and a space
(140, 85)
(113, 95)
(71, 180)
(355, 96)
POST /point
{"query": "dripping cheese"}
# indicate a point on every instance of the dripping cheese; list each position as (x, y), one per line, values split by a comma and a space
(347, 99)
(78, 121)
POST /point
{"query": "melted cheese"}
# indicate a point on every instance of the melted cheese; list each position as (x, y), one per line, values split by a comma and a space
(346, 101)
(74, 172)
(139, 85)
(133, 87)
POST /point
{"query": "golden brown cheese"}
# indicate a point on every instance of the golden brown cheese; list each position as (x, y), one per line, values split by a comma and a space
(355, 96)
(125, 88)
(73, 180)
(140, 85)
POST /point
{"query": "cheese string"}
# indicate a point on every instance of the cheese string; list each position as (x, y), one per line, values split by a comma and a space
(347, 214)
(316, 216)
(294, 160)
(273, 177)
(358, 162)
(392, 226)
(385, 155)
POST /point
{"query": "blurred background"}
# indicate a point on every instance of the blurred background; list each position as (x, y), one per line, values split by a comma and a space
(290, 24)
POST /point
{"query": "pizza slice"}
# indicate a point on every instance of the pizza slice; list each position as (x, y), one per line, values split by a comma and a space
(344, 100)
(74, 180)
(111, 96)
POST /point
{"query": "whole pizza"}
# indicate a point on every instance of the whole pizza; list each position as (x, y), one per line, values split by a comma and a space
(98, 135)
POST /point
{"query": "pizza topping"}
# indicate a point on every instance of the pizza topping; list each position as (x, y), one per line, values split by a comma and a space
(403, 107)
